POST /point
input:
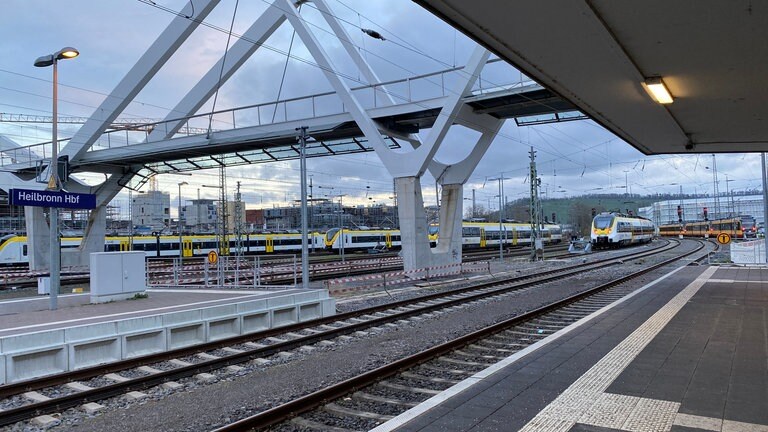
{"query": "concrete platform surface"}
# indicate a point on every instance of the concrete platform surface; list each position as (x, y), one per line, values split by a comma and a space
(689, 352)
(31, 314)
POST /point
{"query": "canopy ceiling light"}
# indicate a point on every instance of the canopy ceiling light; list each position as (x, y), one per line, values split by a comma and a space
(658, 91)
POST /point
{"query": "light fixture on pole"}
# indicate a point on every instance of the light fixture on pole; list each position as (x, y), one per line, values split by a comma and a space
(181, 242)
(53, 167)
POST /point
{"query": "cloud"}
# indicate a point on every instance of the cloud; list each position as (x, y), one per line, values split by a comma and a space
(576, 157)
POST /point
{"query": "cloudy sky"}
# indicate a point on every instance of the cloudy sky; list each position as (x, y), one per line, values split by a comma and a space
(574, 158)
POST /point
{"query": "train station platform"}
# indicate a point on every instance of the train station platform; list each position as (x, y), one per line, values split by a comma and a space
(687, 352)
(35, 341)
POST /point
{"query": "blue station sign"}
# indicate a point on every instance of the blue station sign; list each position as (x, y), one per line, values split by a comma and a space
(36, 198)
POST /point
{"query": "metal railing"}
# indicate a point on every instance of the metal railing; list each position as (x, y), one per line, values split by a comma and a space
(402, 91)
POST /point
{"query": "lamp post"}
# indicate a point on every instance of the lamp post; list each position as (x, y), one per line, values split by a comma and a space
(304, 231)
(53, 182)
(728, 193)
(502, 234)
(341, 225)
(181, 246)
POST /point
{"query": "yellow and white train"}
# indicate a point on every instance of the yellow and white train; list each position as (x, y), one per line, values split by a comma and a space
(616, 230)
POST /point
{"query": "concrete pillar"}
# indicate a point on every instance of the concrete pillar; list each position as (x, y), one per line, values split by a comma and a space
(413, 225)
(38, 238)
(93, 240)
(448, 250)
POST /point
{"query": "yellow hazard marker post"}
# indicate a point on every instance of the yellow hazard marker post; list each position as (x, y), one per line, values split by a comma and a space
(723, 238)
(213, 257)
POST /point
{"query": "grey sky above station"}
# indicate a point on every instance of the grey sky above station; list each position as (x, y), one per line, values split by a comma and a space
(573, 158)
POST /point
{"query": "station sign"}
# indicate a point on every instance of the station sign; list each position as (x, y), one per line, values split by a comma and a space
(56, 199)
(723, 238)
(213, 257)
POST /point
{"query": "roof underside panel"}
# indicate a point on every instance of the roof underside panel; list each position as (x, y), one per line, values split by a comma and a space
(596, 54)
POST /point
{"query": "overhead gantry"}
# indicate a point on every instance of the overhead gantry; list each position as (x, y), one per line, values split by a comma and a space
(456, 107)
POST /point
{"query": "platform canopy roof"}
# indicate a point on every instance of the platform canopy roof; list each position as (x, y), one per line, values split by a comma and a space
(597, 54)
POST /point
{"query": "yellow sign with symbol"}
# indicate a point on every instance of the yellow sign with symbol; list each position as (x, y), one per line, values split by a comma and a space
(724, 238)
(213, 257)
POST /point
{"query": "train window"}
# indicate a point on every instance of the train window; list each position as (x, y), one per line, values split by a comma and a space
(169, 246)
(395, 238)
(150, 247)
(24, 250)
(112, 247)
(470, 232)
(603, 222)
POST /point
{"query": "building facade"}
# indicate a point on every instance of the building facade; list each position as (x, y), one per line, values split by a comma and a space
(692, 209)
(151, 211)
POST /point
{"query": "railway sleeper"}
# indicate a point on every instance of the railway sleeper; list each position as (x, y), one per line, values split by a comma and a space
(404, 388)
(552, 321)
(486, 348)
(544, 323)
(524, 335)
(444, 370)
(367, 397)
(348, 412)
(535, 327)
(482, 356)
(428, 378)
(506, 343)
(462, 362)
(313, 425)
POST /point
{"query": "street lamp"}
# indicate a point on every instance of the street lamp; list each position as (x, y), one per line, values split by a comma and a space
(53, 182)
(181, 247)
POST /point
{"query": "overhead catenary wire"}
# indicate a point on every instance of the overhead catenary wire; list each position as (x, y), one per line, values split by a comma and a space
(502, 135)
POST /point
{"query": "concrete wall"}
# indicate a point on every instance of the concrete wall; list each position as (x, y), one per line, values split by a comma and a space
(32, 355)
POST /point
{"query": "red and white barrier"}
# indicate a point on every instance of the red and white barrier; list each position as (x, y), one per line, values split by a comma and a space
(395, 278)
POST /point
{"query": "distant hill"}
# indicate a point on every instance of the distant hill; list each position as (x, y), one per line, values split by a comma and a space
(577, 211)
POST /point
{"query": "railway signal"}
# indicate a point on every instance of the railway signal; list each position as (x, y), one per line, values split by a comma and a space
(706, 218)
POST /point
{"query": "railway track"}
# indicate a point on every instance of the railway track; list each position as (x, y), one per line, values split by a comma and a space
(279, 271)
(373, 397)
(105, 381)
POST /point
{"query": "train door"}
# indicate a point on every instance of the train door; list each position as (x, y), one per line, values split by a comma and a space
(388, 240)
(270, 245)
(514, 236)
(124, 246)
(482, 237)
(186, 248)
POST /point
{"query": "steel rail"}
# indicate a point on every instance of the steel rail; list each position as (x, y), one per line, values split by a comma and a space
(316, 399)
(54, 405)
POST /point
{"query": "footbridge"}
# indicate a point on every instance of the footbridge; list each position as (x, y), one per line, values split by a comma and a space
(384, 117)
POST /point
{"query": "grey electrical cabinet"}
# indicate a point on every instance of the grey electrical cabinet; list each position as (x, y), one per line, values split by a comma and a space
(117, 275)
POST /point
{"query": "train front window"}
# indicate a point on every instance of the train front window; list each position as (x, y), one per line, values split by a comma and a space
(603, 222)
(330, 233)
(433, 229)
(5, 238)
